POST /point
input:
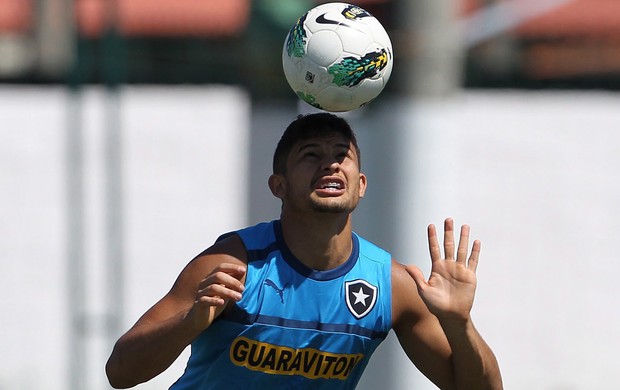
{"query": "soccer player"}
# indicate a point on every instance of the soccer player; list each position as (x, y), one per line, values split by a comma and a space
(302, 301)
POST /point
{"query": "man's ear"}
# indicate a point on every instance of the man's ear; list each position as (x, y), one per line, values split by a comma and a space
(277, 185)
(363, 184)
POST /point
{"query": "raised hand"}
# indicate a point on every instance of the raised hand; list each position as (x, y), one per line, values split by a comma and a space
(450, 289)
(215, 291)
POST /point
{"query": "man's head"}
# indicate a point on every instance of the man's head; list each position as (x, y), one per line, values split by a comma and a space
(316, 166)
(307, 127)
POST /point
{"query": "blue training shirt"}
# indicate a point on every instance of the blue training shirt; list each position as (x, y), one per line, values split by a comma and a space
(295, 328)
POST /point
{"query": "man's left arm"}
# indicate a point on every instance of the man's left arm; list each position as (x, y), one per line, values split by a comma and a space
(432, 319)
(475, 365)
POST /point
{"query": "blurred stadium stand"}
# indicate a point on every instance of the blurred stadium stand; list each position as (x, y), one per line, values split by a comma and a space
(580, 39)
(572, 45)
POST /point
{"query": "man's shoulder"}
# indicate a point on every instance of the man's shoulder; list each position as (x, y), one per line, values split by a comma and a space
(251, 229)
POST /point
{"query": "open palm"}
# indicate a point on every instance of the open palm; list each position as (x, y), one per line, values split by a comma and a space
(450, 289)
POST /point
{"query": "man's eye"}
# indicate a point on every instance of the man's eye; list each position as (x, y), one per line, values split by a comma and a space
(342, 155)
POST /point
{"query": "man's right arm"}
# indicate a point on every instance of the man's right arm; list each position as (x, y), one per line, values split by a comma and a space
(201, 292)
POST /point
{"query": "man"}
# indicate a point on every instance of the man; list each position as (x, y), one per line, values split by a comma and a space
(302, 302)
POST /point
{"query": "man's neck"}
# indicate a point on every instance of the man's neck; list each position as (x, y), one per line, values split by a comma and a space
(321, 242)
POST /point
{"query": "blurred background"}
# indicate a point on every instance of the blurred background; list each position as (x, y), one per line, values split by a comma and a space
(134, 132)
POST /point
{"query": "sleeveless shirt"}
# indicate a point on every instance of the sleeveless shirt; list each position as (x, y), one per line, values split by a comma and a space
(295, 328)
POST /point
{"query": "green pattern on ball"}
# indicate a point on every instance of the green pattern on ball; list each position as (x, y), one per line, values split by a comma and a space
(310, 99)
(296, 41)
(352, 70)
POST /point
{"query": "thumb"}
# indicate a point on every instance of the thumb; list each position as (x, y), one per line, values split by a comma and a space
(417, 275)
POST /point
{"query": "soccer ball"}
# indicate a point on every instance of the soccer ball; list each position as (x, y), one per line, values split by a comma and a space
(337, 57)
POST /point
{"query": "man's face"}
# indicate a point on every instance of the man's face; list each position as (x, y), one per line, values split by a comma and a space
(323, 175)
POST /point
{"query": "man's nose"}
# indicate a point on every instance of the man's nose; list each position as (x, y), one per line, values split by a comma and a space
(331, 164)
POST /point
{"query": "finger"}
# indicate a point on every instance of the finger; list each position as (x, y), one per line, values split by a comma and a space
(212, 292)
(227, 274)
(234, 270)
(206, 301)
(475, 254)
(222, 279)
(461, 254)
(448, 238)
(433, 244)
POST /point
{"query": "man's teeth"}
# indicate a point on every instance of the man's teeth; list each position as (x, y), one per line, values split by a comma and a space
(331, 185)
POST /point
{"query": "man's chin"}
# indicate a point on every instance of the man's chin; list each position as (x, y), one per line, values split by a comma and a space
(332, 208)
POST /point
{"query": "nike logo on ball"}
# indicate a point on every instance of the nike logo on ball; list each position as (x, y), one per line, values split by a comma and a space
(321, 19)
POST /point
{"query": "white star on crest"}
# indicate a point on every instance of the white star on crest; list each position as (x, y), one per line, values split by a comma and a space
(360, 297)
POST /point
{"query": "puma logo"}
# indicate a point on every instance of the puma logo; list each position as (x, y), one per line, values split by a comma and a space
(280, 291)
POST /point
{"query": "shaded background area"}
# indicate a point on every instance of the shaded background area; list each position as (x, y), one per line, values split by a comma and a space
(561, 44)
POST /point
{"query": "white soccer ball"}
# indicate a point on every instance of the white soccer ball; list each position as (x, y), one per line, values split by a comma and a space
(337, 57)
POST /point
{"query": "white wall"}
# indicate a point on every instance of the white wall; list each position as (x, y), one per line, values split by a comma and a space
(539, 179)
(184, 183)
(535, 175)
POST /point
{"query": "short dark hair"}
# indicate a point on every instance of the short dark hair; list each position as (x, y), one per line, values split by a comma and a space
(311, 126)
